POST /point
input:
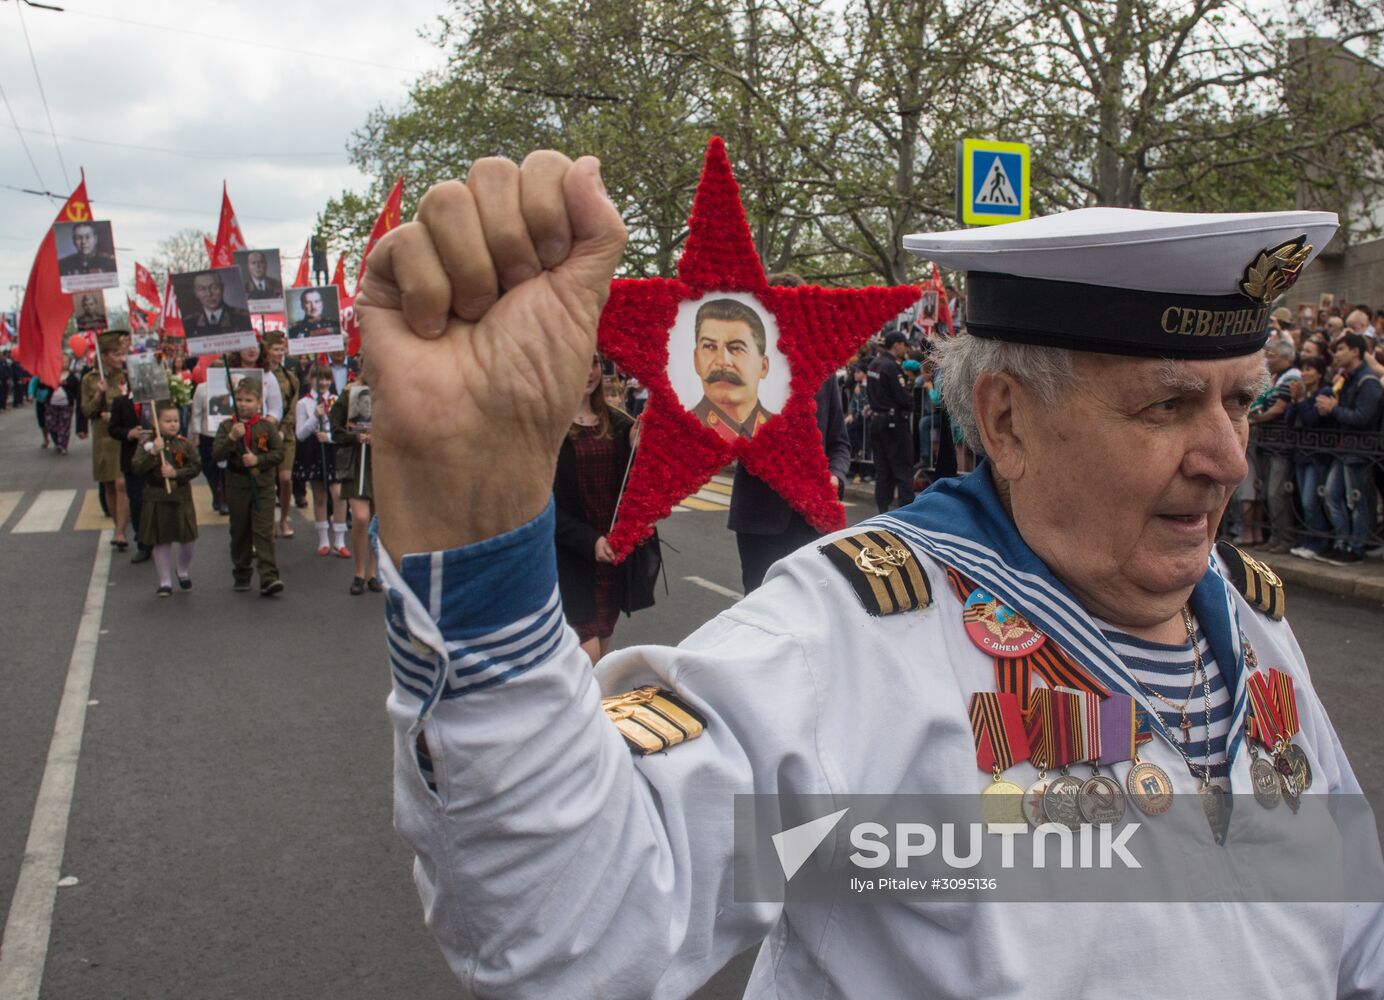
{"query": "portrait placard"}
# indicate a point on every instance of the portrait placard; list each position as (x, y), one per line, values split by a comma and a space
(148, 380)
(725, 365)
(314, 320)
(358, 408)
(212, 306)
(86, 256)
(220, 404)
(1326, 300)
(264, 283)
(89, 311)
(144, 340)
(927, 312)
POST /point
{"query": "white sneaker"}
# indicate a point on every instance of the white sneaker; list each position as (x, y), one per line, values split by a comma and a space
(1303, 552)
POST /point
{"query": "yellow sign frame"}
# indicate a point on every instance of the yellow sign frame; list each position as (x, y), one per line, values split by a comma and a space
(966, 150)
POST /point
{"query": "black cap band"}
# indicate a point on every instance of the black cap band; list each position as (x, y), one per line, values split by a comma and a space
(1108, 320)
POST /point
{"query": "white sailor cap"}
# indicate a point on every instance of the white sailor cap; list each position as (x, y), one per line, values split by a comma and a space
(1126, 281)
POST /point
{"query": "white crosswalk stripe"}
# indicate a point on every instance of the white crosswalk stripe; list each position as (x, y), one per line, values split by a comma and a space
(9, 500)
(46, 513)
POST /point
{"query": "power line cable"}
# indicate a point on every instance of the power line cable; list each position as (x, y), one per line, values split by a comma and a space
(166, 209)
(27, 152)
(19, 9)
(196, 154)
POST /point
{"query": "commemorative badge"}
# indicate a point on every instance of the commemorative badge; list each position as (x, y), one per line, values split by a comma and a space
(998, 629)
(1149, 787)
(1061, 801)
(1275, 270)
(1264, 780)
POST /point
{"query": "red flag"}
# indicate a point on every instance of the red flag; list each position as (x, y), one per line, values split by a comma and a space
(141, 318)
(229, 238)
(171, 321)
(304, 276)
(944, 315)
(144, 285)
(339, 280)
(349, 326)
(5, 336)
(211, 250)
(46, 310)
(384, 222)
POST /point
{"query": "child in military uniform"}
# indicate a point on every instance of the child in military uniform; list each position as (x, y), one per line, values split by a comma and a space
(97, 393)
(351, 432)
(252, 449)
(168, 515)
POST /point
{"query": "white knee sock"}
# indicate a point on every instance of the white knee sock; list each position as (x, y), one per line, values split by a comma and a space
(339, 530)
(163, 562)
(321, 527)
(185, 553)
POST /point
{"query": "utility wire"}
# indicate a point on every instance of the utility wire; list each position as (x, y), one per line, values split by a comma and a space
(165, 209)
(196, 154)
(19, 9)
(27, 151)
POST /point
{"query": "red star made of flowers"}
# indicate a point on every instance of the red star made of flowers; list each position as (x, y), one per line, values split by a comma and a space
(819, 329)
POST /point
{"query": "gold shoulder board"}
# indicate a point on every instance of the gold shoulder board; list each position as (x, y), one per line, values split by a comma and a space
(1260, 584)
(652, 719)
(882, 571)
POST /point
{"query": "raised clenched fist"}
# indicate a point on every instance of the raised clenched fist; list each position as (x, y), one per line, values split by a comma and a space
(479, 323)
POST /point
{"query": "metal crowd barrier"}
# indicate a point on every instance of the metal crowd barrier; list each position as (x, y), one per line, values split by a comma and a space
(1357, 457)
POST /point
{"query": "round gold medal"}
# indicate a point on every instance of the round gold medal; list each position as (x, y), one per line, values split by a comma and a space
(1002, 802)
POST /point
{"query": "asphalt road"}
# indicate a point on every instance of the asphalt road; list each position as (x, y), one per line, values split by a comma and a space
(230, 831)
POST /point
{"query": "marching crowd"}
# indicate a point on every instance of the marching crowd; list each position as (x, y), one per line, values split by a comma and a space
(293, 441)
(263, 449)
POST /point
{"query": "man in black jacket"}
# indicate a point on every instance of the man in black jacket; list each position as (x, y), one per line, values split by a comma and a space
(766, 527)
(890, 437)
(1349, 491)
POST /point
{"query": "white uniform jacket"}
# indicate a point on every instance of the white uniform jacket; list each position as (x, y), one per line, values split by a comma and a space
(553, 863)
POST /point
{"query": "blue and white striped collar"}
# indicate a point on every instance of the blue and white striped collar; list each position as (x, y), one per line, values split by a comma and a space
(962, 523)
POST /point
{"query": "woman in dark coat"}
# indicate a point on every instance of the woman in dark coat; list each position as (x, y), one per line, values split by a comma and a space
(590, 469)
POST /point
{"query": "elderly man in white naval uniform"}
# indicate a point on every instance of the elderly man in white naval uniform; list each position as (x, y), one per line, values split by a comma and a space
(1108, 376)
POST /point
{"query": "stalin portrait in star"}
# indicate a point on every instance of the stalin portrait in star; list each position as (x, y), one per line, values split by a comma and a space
(732, 358)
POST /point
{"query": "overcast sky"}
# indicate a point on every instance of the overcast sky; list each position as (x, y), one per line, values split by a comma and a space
(259, 93)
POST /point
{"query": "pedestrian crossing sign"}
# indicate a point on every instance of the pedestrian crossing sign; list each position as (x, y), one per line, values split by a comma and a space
(992, 182)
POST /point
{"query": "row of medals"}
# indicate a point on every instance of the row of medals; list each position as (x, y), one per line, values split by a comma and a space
(1071, 801)
(1099, 800)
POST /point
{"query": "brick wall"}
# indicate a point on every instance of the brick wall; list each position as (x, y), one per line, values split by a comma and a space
(1357, 275)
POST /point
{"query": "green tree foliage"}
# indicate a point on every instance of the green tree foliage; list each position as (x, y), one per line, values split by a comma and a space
(841, 118)
(1200, 106)
(182, 251)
